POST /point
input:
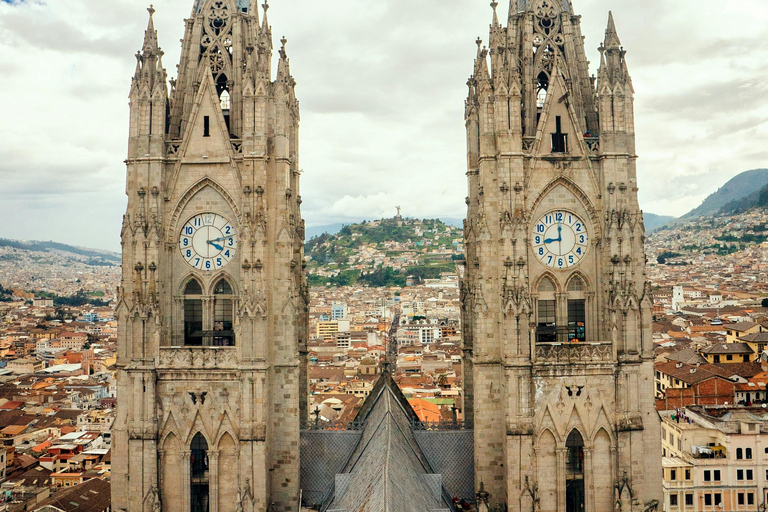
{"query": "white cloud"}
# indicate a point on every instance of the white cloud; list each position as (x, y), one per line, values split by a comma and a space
(382, 89)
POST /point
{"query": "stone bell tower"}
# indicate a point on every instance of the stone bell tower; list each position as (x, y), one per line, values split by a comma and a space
(558, 349)
(212, 306)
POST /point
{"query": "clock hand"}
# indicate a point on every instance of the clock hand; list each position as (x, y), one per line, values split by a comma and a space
(211, 242)
(219, 239)
(550, 240)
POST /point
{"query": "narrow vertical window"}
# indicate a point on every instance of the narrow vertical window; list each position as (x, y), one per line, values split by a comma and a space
(574, 473)
(559, 139)
(206, 126)
(193, 314)
(223, 333)
(198, 462)
(546, 327)
(577, 314)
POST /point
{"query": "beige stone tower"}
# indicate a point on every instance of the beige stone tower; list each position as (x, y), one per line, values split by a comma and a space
(558, 348)
(212, 312)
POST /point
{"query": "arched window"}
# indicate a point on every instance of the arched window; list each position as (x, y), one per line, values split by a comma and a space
(546, 330)
(223, 334)
(193, 313)
(208, 317)
(225, 100)
(739, 453)
(541, 89)
(574, 473)
(749, 453)
(577, 315)
(198, 461)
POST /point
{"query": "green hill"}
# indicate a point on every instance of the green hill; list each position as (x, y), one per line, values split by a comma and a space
(95, 256)
(756, 199)
(736, 189)
(654, 222)
(384, 252)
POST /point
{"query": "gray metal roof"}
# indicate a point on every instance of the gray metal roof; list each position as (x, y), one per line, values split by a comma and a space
(388, 471)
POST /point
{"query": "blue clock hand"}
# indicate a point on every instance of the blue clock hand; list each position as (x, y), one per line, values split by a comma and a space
(220, 239)
(211, 242)
(550, 240)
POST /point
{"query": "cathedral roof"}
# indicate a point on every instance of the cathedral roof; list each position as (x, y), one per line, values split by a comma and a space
(388, 470)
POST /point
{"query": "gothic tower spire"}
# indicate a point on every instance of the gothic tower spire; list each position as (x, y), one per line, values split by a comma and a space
(555, 308)
(212, 312)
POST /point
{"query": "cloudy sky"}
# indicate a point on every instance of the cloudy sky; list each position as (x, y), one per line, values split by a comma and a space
(382, 88)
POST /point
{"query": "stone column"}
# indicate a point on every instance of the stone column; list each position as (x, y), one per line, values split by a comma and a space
(589, 481)
(160, 471)
(186, 481)
(213, 481)
(560, 475)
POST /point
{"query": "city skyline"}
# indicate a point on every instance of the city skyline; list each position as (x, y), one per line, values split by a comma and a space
(368, 142)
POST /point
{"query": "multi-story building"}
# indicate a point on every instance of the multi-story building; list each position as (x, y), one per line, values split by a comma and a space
(715, 459)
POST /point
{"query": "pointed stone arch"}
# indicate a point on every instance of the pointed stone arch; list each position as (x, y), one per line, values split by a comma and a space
(546, 447)
(217, 278)
(171, 471)
(580, 194)
(543, 278)
(578, 274)
(228, 462)
(191, 193)
(602, 470)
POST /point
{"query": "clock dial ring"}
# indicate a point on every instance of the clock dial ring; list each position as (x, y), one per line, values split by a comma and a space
(208, 241)
(560, 239)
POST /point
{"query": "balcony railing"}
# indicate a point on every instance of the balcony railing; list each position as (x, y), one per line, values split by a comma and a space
(574, 352)
(198, 357)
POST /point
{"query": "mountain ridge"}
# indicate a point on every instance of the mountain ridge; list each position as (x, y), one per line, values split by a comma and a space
(735, 189)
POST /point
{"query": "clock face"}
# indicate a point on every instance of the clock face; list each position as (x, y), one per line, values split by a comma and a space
(208, 241)
(560, 239)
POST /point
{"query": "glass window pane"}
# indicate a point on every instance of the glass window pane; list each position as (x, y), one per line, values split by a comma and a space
(546, 331)
(577, 330)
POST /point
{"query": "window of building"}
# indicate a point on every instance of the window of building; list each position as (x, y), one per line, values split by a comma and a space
(708, 500)
(739, 453)
(574, 473)
(718, 499)
(559, 139)
(577, 315)
(687, 474)
(206, 126)
(223, 335)
(689, 500)
(750, 498)
(673, 500)
(541, 93)
(750, 475)
(546, 332)
(740, 498)
(212, 324)
(198, 461)
(739, 474)
(707, 476)
(748, 451)
(193, 313)
(672, 474)
(716, 474)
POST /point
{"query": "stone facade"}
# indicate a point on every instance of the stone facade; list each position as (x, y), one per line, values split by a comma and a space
(558, 350)
(211, 350)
